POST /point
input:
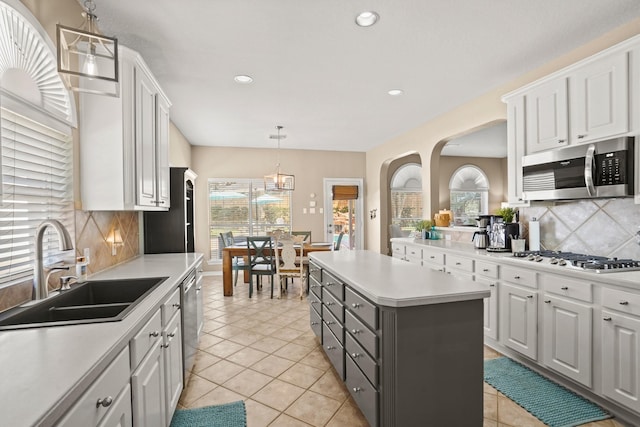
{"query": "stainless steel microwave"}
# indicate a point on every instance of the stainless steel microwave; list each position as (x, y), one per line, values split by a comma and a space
(599, 169)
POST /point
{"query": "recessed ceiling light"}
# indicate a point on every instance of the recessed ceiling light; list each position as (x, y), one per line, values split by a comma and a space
(367, 19)
(243, 79)
(395, 92)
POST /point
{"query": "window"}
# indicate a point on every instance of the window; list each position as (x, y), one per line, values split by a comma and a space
(406, 196)
(469, 195)
(36, 170)
(243, 207)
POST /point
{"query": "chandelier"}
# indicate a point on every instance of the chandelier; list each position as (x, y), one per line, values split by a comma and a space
(279, 181)
(88, 61)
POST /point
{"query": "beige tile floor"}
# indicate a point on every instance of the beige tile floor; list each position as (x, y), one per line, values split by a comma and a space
(262, 351)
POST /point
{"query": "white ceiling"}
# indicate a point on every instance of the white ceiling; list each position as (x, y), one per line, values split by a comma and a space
(325, 79)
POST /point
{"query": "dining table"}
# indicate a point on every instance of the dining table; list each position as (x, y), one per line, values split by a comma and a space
(241, 250)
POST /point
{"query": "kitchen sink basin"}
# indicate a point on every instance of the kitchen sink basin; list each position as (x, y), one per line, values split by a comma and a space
(89, 302)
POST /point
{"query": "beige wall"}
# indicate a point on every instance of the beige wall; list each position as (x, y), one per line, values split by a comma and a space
(309, 168)
(429, 137)
(179, 148)
(495, 169)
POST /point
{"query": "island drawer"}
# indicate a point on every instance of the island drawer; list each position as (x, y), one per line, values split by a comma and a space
(334, 324)
(335, 306)
(111, 382)
(565, 287)
(315, 322)
(315, 272)
(365, 362)
(621, 301)
(143, 340)
(459, 263)
(362, 334)
(171, 306)
(487, 269)
(362, 308)
(315, 287)
(315, 303)
(365, 395)
(334, 350)
(519, 276)
(333, 285)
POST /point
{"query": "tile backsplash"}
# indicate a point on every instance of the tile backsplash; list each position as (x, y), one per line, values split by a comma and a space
(91, 231)
(605, 227)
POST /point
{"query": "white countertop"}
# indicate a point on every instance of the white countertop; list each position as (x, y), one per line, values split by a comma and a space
(630, 279)
(46, 369)
(391, 282)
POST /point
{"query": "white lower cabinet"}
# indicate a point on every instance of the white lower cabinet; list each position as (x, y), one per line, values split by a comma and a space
(519, 314)
(490, 322)
(172, 347)
(107, 402)
(621, 359)
(567, 339)
(147, 383)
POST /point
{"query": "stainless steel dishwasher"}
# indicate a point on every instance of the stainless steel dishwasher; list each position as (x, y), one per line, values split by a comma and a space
(189, 323)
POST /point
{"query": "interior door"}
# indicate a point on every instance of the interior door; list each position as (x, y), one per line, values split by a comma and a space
(344, 216)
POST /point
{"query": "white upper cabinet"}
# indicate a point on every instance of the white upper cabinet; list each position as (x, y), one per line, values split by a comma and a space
(547, 117)
(600, 99)
(124, 143)
(515, 149)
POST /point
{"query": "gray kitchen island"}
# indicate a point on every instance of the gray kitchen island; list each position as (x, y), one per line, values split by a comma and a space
(407, 340)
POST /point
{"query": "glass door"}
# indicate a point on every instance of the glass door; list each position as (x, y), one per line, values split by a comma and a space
(343, 212)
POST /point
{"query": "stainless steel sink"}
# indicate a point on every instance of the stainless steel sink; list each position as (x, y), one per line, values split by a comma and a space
(89, 302)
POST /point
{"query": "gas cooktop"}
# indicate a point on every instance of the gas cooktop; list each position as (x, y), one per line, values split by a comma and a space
(597, 264)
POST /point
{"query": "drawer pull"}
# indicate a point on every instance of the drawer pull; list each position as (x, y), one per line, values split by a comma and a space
(565, 288)
(356, 355)
(355, 331)
(176, 305)
(330, 303)
(530, 296)
(314, 286)
(357, 389)
(171, 335)
(547, 301)
(492, 285)
(458, 263)
(624, 302)
(313, 270)
(560, 141)
(154, 334)
(330, 284)
(607, 319)
(105, 403)
(486, 270)
(331, 347)
(432, 257)
(314, 323)
(331, 322)
(516, 277)
(164, 345)
(356, 305)
(315, 302)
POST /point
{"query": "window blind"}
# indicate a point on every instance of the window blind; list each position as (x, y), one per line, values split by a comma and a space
(345, 192)
(37, 184)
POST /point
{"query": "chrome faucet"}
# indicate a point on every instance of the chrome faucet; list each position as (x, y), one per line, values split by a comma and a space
(40, 285)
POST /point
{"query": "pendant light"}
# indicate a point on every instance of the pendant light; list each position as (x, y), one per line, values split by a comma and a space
(279, 181)
(88, 61)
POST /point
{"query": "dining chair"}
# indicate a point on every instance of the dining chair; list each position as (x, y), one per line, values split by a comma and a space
(237, 263)
(261, 260)
(305, 234)
(288, 264)
(336, 247)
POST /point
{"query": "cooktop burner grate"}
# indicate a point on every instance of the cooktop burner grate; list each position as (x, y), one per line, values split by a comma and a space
(596, 263)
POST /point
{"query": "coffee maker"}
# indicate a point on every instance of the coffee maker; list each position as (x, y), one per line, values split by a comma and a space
(501, 233)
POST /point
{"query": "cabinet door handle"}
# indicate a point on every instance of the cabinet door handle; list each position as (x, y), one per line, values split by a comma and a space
(547, 301)
(582, 136)
(331, 322)
(176, 305)
(560, 141)
(624, 302)
(171, 335)
(355, 331)
(105, 403)
(154, 334)
(165, 345)
(356, 305)
(607, 319)
(329, 304)
(565, 288)
(314, 302)
(314, 323)
(530, 296)
(357, 389)
(516, 277)
(330, 347)
(329, 284)
(356, 355)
